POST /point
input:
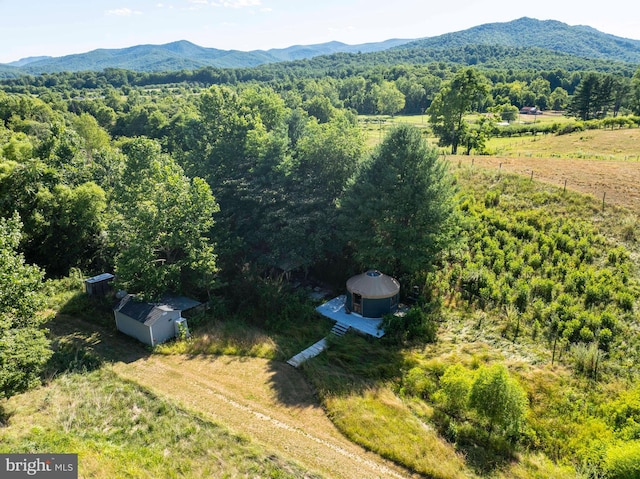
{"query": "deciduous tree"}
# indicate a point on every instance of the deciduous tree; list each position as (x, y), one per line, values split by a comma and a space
(390, 99)
(458, 97)
(24, 348)
(161, 231)
(499, 399)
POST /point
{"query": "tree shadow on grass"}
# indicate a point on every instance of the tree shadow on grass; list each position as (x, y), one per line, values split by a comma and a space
(84, 336)
(351, 364)
(484, 453)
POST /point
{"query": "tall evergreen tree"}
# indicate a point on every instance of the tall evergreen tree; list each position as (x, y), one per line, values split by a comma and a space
(593, 97)
(398, 215)
(635, 92)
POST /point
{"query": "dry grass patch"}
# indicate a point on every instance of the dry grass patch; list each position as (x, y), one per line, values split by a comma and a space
(380, 421)
(120, 429)
(223, 338)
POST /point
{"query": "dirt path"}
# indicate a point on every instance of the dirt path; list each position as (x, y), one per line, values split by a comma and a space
(620, 180)
(265, 400)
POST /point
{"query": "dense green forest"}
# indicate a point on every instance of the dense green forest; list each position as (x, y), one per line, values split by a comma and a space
(213, 183)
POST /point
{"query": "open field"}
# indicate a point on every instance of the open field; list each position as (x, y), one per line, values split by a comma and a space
(617, 144)
(599, 144)
(267, 401)
(618, 181)
(593, 162)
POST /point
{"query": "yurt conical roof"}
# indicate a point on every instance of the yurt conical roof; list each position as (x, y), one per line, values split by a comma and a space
(373, 284)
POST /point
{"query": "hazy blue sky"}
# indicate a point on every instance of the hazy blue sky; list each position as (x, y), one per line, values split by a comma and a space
(61, 27)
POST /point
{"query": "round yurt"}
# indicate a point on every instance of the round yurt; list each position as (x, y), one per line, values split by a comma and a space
(372, 294)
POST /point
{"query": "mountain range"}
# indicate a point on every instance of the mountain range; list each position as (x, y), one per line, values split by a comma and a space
(579, 41)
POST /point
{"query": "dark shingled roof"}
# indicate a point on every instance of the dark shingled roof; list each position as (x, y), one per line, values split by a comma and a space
(146, 313)
(181, 303)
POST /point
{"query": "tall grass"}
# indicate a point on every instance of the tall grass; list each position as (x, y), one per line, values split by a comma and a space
(119, 429)
(233, 338)
(379, 421)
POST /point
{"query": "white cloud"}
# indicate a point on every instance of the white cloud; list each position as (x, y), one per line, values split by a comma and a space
(123, 12)
(237, 3)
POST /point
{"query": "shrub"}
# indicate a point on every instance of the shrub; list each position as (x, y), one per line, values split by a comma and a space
(415, 324)
(604, 339)
(586, 334)
(625, 301)
(596, 294)
(492, 198)
(455, 386)
(623, 461)
(542, 288)
(499, 399)
(570, 128)
(418, 383)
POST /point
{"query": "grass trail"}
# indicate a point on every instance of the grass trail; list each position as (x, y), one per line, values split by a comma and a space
(265, 400)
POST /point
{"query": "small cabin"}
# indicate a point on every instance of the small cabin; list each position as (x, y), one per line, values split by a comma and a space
(372, 294)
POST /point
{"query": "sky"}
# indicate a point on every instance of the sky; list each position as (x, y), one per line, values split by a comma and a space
(62, 27)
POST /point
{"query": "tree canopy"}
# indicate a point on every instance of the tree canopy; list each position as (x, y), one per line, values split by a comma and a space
(161, 232)
(398, 214)
(24, 348)
(464, 93)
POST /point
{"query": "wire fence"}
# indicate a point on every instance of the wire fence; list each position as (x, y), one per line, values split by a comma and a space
(605, 196)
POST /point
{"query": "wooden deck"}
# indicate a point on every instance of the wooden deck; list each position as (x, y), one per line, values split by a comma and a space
(334, 309)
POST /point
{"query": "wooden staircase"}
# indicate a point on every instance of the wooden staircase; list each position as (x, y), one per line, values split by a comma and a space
(340, 329)
(311, 352)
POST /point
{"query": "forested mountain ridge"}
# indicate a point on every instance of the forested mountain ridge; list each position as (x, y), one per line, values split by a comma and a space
(551, 35)
(526, 40)
(183, 55)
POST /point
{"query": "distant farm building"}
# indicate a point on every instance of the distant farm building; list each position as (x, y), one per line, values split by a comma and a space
(372, 294)
(99, 285)
(530, 110)
(153, 323)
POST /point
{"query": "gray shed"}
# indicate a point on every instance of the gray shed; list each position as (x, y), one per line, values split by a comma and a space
(372, 294)
(99, 285)
(149, 323)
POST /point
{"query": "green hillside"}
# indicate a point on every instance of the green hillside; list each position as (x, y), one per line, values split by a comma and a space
(182, 55)
(523, 43)
(551, 35)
